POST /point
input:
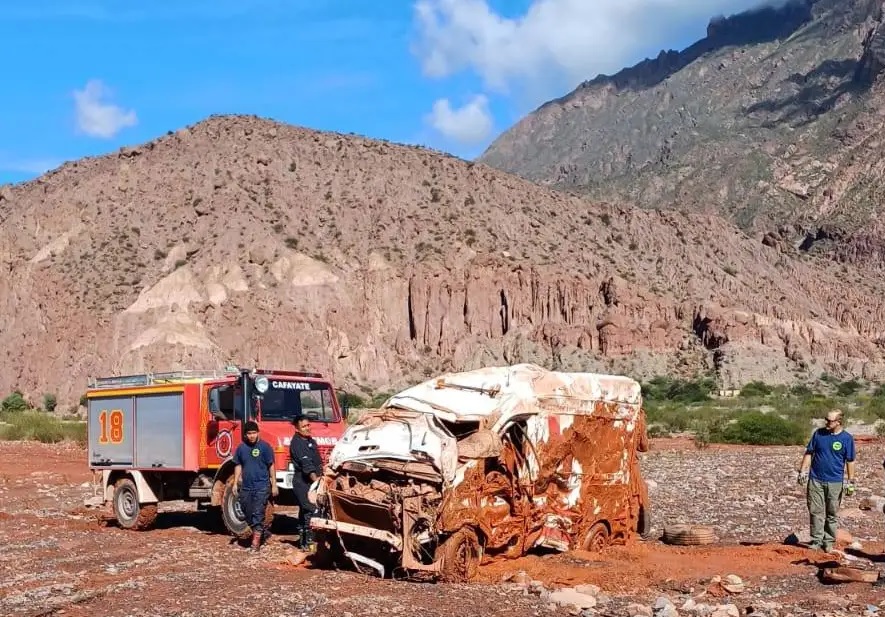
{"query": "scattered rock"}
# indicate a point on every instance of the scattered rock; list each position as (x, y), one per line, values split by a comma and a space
(639, 610)
(725, 610)
(590, 590)
(519, 578)
(663, 607)
(845, 574)
(569, 596)
(875, 503)
(733, 584)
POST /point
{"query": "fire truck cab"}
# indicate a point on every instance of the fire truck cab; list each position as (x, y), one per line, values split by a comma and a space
(160, 437)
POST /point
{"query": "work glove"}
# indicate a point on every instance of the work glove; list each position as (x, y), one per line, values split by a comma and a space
(849, 489)
(802, 478)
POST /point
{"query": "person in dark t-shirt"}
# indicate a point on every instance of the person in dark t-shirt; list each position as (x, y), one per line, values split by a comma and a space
(830, 454)
(308, 467)
(255, 480)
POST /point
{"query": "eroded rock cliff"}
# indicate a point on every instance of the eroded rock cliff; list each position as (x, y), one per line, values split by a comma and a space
(240, 239)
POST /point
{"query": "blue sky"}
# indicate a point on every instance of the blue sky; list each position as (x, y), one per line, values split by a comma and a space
(84, 77)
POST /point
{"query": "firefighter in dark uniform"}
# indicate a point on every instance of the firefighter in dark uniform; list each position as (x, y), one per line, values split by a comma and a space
(308, 467)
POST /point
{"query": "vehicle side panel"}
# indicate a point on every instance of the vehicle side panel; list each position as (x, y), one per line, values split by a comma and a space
(195, 413)
(565, 467)
(159, 431)
(110, 431)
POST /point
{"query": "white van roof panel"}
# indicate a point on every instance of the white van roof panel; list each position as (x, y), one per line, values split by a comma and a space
(465, 396)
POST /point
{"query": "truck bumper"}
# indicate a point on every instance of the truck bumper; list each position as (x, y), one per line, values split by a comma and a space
(327, 524)
(284, 480)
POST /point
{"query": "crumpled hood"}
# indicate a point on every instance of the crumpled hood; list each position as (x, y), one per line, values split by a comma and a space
(404, 439)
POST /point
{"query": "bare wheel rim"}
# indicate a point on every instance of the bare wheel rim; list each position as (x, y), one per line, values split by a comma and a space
(234, 508)
(238, 511)
(462, 557)
(127, 503)
(597, 538)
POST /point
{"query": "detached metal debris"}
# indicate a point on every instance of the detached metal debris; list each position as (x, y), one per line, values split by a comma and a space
(488, 464)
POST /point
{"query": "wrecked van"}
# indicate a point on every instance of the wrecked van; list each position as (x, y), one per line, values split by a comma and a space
(485, 464)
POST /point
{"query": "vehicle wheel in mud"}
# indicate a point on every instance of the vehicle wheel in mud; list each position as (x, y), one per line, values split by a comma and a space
(329, 553)
(597, 538)
(689, 535)
(129, 513)
(232, 514)
(643, 525)
(460, 555)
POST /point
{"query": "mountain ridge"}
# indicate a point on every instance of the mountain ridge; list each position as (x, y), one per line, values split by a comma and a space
(773, 134)
(241, 239)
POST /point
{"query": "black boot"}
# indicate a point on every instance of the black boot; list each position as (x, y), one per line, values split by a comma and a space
(306, 539)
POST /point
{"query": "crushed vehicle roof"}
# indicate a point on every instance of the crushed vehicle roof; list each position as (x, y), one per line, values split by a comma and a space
(477, 394)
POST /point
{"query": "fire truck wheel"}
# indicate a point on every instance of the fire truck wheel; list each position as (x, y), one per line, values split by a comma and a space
(129, 513)
(460, 555)
(232, 514)
(597, 537)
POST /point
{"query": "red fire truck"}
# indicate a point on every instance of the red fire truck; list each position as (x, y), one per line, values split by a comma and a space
(159, 437)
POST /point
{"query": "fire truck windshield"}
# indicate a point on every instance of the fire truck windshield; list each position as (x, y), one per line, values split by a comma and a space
(286, 399)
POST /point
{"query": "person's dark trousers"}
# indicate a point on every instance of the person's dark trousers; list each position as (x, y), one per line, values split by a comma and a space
(253, 501)
(306, 511)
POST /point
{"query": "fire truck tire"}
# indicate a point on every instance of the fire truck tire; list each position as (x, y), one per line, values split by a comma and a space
(129, 513)
(460, 554)
(231, 513)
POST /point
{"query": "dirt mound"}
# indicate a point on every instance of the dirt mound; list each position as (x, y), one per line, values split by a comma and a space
(620, 569)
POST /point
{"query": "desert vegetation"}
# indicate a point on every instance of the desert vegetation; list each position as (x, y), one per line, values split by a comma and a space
(760, 414)
(22, 421)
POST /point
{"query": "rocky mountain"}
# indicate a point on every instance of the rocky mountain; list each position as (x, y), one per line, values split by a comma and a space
(241, 239)
(774, 119)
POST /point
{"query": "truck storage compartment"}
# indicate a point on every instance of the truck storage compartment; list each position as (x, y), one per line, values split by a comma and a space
(111, 440)
(143, 431)
(159, 430)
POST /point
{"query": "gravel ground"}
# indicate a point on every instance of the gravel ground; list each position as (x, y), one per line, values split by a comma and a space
(57, 558)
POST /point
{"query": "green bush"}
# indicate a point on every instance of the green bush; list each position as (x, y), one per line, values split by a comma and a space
(801, 390)
(352, 400)
(849, 388)
(14, 403)
(38, 426)
(875, 407)
(759, 429)
(666, 389)
(755, 388)
(815, 406)
(378, 399)
(49, 402)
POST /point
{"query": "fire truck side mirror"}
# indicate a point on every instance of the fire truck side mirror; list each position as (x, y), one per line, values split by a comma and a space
(216, 403)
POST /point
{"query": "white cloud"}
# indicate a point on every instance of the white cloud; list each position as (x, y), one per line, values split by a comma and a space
(470, 124)
(96, 116)
(556, 43)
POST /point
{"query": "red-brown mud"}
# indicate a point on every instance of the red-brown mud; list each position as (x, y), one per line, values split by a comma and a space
(56, 555)
(622, 569)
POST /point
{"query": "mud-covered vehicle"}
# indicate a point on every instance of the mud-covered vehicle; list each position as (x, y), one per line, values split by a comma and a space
(485, 464)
